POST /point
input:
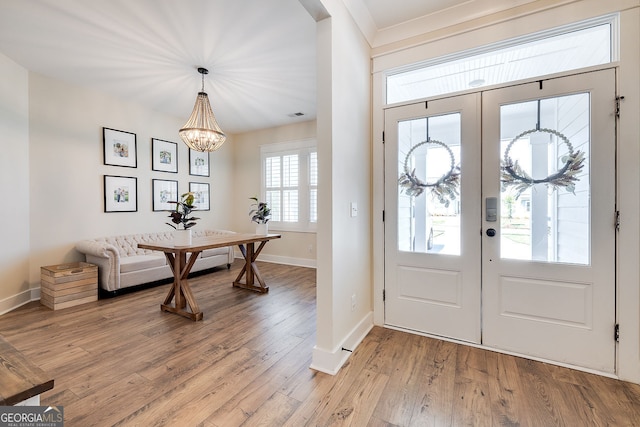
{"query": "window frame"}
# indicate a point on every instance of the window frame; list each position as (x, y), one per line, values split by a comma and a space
(303, 148)
(611, 19)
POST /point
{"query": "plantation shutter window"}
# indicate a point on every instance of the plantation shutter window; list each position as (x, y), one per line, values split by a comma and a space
(313, 187)
(290, 185)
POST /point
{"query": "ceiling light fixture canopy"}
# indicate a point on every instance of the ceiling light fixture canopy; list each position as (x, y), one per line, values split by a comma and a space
(202, 132)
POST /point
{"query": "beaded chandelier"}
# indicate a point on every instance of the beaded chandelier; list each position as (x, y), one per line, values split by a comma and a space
(202, 132)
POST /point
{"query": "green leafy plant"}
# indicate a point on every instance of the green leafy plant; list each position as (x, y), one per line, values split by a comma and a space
(181, 214)
(260, 213)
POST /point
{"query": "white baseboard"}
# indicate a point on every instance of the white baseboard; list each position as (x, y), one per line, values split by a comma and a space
(15, 301)
(331, 361)
(276, 259)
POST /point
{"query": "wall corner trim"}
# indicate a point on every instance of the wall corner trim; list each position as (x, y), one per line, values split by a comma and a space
(330, 361)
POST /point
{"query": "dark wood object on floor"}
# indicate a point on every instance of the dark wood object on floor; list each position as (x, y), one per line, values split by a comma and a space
(19, 378)
(181, 264)
(121, 362)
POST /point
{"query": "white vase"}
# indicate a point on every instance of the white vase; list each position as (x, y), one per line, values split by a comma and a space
(182, 237)
(262, 229)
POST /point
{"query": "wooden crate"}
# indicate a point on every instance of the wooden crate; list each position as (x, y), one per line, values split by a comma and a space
(67, 285)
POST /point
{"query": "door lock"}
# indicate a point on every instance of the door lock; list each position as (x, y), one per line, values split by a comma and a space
(491, 232)
(491, 206)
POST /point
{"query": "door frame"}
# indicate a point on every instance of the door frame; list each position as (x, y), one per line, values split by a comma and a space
(378, 239)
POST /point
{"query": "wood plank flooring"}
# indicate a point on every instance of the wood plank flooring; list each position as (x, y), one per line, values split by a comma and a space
(123, 362)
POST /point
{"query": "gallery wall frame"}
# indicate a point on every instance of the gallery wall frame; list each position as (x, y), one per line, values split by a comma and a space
(198, 163)
(164, 156)
(120, 193)
(164, 192)
(201, 195)
(120, 148)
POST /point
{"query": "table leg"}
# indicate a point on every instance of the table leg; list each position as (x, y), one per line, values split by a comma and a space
(250, 269)
(180, 290)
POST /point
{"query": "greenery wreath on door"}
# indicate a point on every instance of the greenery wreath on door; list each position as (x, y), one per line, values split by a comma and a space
(445, 189)
(514, 176)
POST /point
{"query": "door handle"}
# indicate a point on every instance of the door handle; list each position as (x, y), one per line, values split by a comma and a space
(491, 232)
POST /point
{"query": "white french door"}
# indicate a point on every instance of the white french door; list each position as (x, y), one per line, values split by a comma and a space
(550, 292)
(500, 219)
(432, 241)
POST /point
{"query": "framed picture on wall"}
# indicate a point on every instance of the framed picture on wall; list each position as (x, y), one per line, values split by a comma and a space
(119, 148)
(200, 192)
(198, 163)
(164, 191)
(120, 193)
(164, 156)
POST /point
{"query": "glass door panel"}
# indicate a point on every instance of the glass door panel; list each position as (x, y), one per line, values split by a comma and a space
(429, 185)
(545, 197)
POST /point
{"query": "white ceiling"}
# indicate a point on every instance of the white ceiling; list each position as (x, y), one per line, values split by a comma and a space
(260, 54)
(388, 13)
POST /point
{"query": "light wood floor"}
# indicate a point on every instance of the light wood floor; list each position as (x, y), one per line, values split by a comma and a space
(123, 362)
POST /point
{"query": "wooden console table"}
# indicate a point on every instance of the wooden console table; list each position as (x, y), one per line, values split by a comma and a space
(181, 264)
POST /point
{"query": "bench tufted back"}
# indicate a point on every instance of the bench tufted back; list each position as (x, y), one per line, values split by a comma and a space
(127, 245)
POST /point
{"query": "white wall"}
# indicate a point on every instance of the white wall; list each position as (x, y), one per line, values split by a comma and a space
(344, 159)
(66, 170)
(293, 248)
(14, 184)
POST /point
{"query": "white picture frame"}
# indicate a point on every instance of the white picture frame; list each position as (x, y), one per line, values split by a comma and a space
(198, 163)
(201, 195)
(164, 156)
(120, 148)
(120, 193)
(164, 192)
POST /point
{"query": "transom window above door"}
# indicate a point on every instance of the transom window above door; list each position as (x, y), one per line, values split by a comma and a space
(580, 45)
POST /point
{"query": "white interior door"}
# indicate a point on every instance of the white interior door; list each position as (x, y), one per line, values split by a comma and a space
(523, 258)
(549, 270)
(432, 247)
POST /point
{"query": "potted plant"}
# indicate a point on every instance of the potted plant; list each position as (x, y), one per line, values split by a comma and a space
(260, 214)
(181, 217)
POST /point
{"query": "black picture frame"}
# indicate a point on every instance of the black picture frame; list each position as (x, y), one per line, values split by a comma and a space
(164, 191)
(202, 195)
(120, 193)
(198, 163)
(119, 148)
(164, 156)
